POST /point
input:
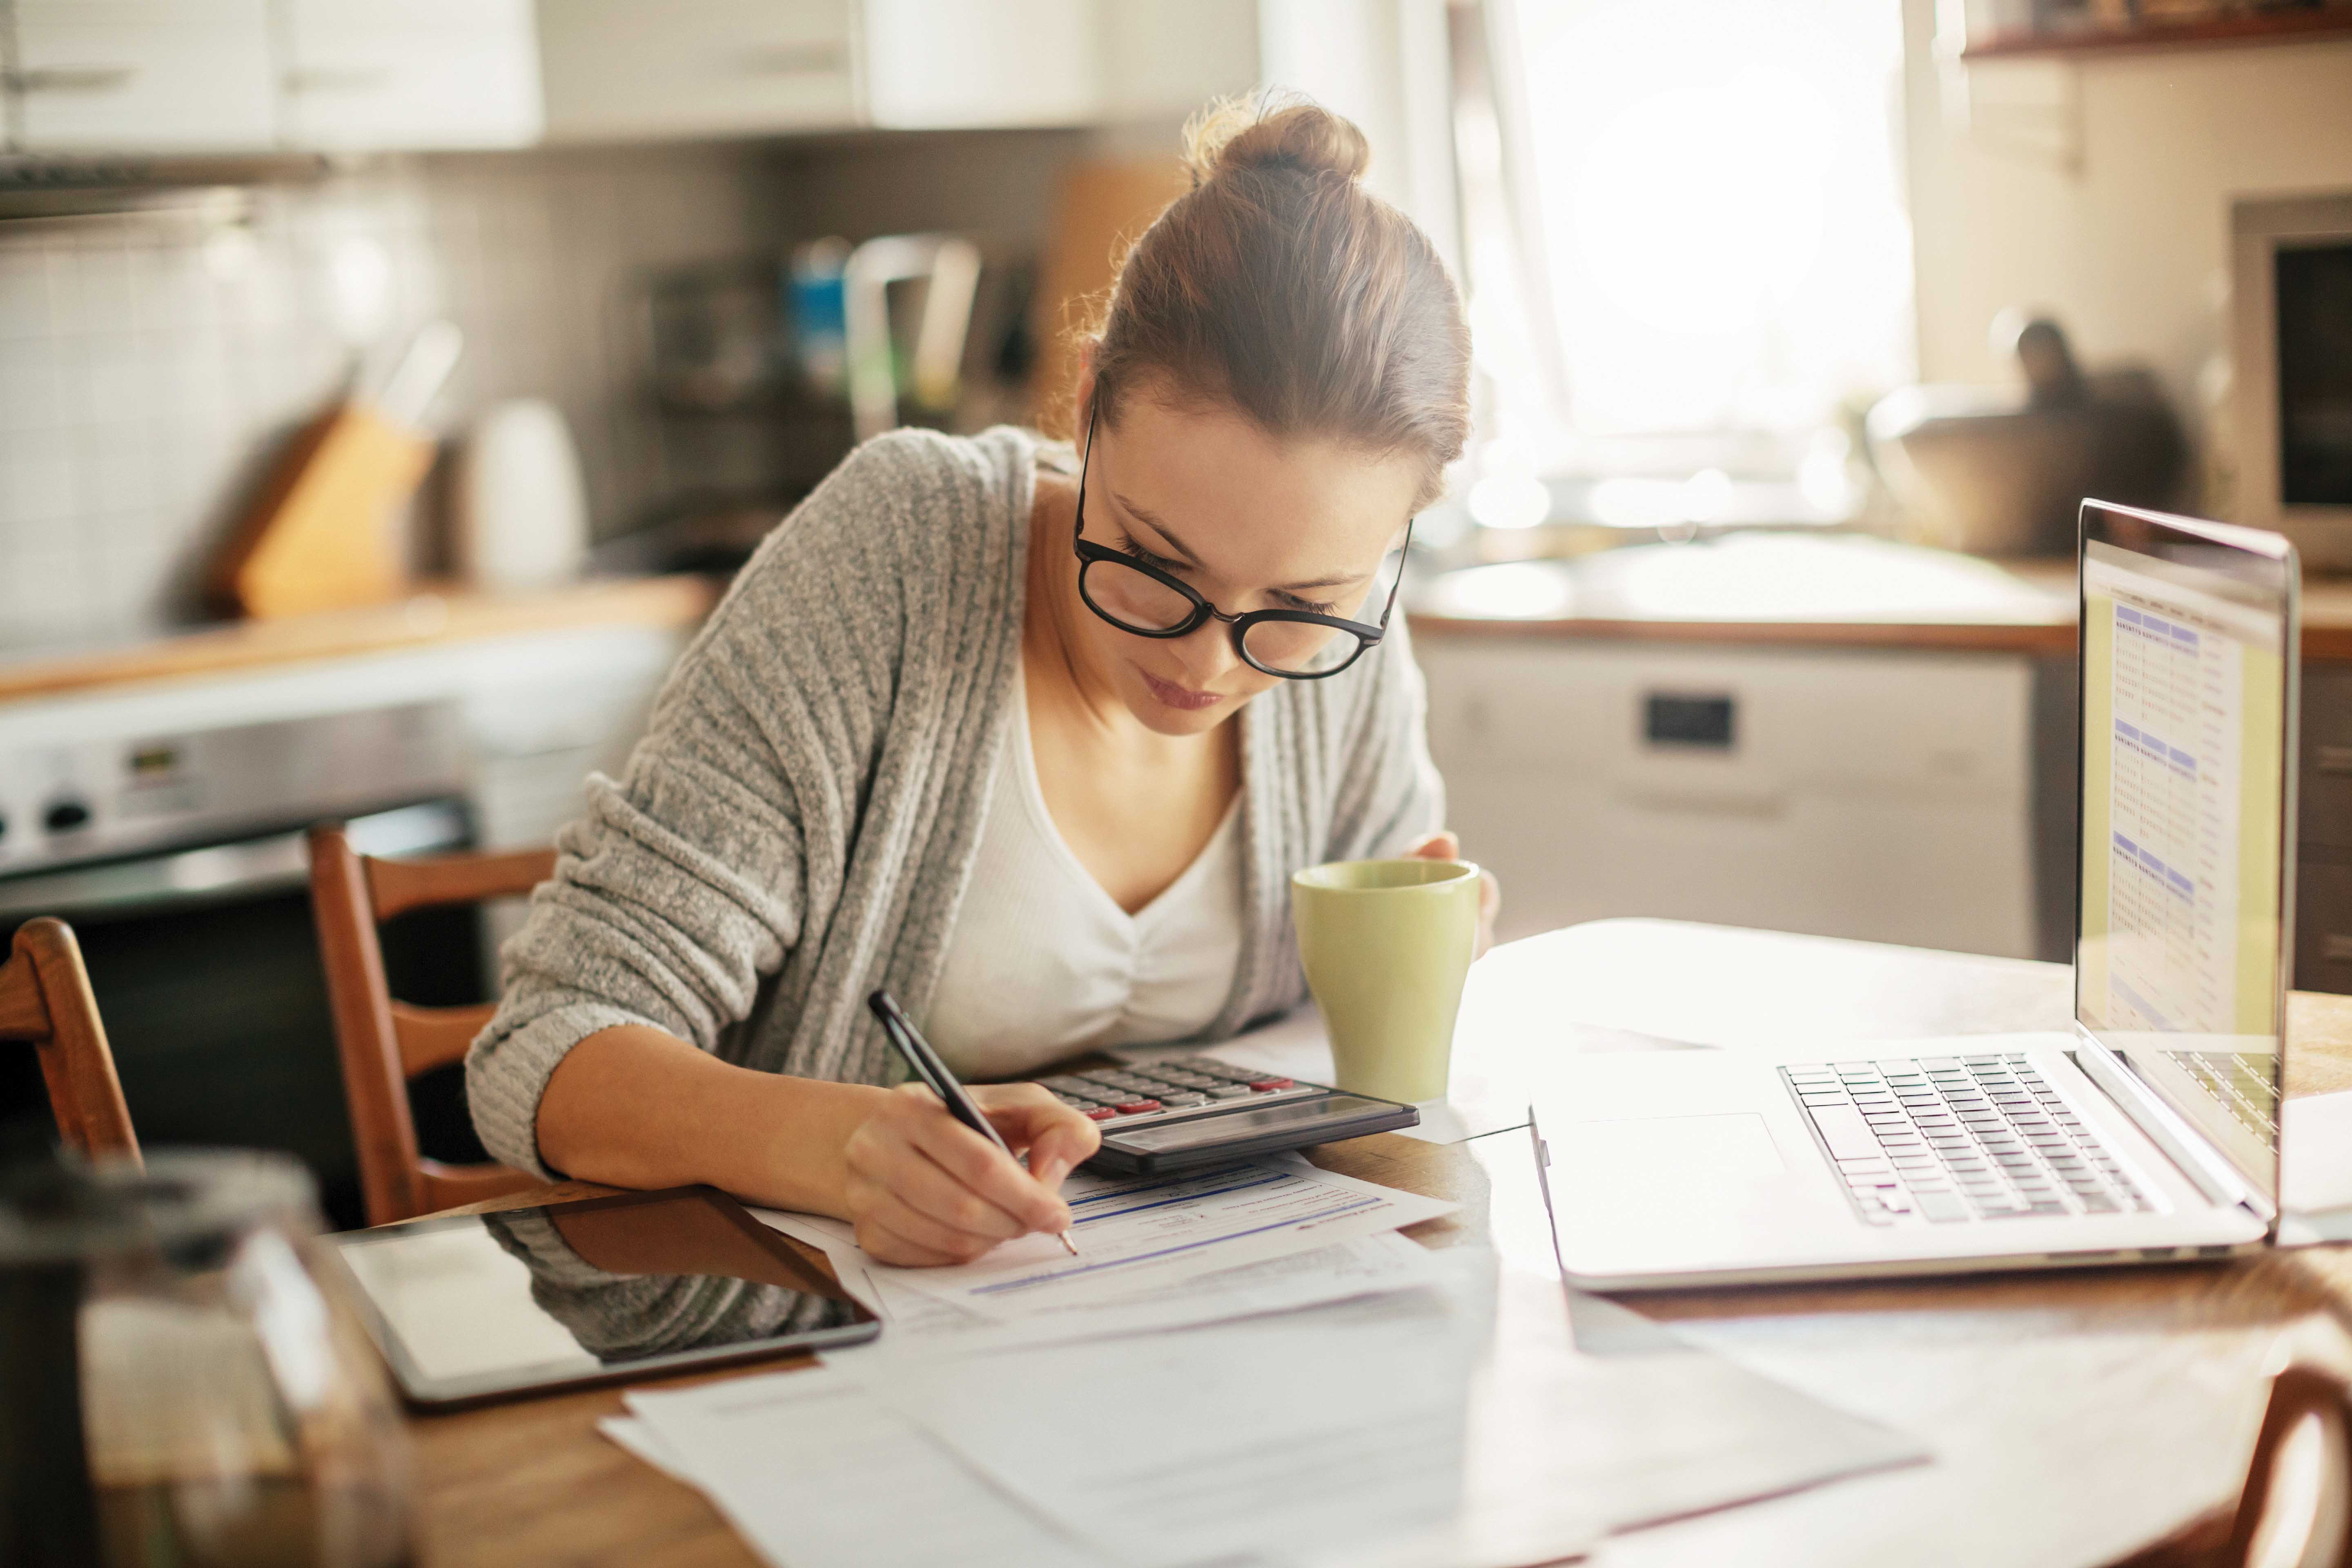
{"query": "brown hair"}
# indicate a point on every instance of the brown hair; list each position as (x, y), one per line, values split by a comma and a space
(1282, 288)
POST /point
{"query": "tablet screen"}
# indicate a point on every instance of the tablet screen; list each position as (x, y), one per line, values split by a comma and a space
(476, 1306)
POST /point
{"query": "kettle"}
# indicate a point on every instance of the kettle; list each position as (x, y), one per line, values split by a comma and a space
(176, 1386)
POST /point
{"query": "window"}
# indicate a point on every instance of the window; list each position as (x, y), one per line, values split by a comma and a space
(1686, 250)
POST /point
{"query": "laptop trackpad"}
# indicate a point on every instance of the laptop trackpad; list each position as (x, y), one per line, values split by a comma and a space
(1667, 1150)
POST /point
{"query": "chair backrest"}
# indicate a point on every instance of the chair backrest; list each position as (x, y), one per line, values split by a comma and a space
(385, 1042)
(44, 999)
(2296, 1507)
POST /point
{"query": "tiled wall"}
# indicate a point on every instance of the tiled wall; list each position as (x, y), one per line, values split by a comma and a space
(149, 365)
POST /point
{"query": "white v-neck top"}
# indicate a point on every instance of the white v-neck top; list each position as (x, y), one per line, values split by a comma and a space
(1041, 962)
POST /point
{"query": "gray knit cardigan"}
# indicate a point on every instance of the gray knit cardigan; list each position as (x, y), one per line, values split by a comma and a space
(798, 823)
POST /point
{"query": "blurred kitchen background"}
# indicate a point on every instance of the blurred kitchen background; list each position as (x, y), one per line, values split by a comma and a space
(387, 389)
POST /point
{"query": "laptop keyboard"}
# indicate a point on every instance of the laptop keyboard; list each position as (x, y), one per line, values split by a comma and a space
(1942, 1140)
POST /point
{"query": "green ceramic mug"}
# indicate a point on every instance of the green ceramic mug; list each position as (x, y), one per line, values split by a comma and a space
(1387, 944)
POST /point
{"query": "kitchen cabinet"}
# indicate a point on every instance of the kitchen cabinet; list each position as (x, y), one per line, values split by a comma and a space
(624, 69)
(932, 66)
(1884, 795)
(417, 74)
(145, 76)
(256, 75)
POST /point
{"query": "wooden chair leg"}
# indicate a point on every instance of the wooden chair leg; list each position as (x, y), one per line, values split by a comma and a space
(75, 1060)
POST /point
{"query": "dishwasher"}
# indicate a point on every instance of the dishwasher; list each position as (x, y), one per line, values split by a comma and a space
(178, 858)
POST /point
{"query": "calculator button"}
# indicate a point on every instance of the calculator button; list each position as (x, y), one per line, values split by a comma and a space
(1100, 1113)
(1268, 1085)
(1229, 1091)
(1183, 1096)
(1137, 1106)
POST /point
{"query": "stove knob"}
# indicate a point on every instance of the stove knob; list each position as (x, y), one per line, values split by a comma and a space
(65, 815)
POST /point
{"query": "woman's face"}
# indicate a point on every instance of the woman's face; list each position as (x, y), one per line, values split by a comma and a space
(1251, 522)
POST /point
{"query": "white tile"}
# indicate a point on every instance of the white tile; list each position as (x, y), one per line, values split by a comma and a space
(29, 385)
(117, 380)
(37, 483)
(24, 294)
(102, 273)
(42, 594)
(117, 469)
(65, 287)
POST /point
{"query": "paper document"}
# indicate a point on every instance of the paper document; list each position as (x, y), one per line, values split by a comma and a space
(1138, 1234)
(1291, 1439)
(918, 1322)
(814, 1472)
(1143, 1233)
(2316, 1169)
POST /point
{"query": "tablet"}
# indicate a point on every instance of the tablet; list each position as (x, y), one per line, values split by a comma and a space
(478, 1307)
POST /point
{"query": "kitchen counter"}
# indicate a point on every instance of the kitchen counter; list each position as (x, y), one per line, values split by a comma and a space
(430, 617)
(1796, 591)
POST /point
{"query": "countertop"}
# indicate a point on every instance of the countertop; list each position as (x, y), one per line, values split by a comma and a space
(430, 617)
(1788, 590)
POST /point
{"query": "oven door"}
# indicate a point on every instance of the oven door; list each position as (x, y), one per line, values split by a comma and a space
(206, 969)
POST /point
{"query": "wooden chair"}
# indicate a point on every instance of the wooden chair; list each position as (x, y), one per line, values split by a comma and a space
(44, 999)
(2295, 1509)
(385, 1043)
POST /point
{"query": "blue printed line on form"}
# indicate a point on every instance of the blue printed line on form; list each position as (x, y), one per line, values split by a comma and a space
(1050, 1276)
(1163, 1202)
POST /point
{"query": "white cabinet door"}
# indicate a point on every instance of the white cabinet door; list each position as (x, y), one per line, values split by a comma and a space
(617, 70)
(1167, 58)
(410, 73)
(146, 76)
(1881, 796)
(947, 64)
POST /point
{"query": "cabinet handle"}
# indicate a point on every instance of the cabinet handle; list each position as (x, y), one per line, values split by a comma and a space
(796, 59)
(2332, 760)
(2336, 948)
(348, 79)
(74, 78)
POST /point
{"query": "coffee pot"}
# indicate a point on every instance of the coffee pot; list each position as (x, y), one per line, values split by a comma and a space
(181, 1382)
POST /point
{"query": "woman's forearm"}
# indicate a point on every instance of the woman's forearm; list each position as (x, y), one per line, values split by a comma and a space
(635, 1106)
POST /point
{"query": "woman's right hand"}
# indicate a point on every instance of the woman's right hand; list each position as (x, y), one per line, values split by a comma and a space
(922, 1188)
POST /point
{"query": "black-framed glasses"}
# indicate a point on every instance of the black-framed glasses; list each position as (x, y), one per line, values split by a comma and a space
(1137, 597)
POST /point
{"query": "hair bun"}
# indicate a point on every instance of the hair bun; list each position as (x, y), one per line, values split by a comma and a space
(1241, 135)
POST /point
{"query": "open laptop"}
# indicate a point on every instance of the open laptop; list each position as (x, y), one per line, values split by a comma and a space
(2149, 1132)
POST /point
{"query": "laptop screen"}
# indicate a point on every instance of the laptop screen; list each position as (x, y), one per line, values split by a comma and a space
(2187, 678)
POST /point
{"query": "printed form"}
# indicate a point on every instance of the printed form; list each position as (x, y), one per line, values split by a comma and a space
(1141, 1233)
(1180, 1241)
(2172, 889)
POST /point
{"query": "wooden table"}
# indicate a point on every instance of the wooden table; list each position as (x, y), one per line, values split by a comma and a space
(2074, 1416)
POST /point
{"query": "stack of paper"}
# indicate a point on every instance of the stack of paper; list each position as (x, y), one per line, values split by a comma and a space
(1247, 1367)
(1154, 1252)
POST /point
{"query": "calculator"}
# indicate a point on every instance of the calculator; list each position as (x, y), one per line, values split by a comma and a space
(1189, 1111)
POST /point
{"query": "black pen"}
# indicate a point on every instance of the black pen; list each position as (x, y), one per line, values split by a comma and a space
(934, 1072)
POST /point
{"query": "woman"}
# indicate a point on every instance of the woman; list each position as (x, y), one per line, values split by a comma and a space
(1036, 743)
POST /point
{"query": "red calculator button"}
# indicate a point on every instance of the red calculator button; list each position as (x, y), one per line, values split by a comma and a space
(1266, 1085)
(1100, 1113)
(1134, 1107)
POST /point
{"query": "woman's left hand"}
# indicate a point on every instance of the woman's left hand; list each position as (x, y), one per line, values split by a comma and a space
(1445, 847)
